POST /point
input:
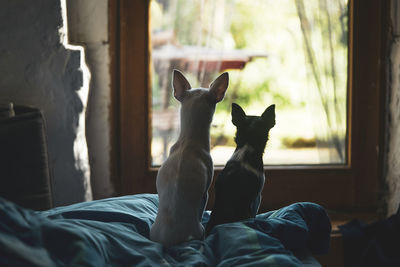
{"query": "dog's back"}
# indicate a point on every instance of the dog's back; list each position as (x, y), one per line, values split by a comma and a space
(238, 187)
(182, 190)
(184, 178)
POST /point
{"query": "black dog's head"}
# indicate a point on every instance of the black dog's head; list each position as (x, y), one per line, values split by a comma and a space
(252, 130)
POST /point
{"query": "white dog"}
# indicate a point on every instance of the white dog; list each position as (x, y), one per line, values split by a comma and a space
(184, 178)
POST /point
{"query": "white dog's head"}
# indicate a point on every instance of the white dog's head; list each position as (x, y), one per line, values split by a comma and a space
(199, 103)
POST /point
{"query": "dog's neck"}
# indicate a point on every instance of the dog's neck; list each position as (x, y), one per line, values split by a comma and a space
(257, 144)
(195, 128)
(247, 153)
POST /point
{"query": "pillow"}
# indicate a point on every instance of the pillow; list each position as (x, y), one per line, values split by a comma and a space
(24, 172)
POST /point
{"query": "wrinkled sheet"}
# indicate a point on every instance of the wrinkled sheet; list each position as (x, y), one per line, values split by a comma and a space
(115, 231)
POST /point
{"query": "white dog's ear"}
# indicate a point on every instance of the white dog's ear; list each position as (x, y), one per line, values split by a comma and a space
(218, 86)
(180, 85)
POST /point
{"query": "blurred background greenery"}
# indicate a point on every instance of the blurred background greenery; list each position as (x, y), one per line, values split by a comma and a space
(291, 53)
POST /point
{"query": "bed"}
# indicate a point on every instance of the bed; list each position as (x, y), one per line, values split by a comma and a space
(115, 231)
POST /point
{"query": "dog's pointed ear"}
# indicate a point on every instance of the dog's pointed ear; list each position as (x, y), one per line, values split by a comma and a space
(269, 116)
(238, 114)
(180, 85)
(218, 87)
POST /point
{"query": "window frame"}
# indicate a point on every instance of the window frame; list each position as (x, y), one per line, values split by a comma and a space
(355, 185)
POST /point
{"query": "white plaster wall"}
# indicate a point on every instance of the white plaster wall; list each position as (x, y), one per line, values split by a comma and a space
(393, 150)
(37, 69)
(88, 26)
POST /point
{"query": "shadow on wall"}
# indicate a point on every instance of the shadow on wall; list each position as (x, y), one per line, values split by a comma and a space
(36, 69)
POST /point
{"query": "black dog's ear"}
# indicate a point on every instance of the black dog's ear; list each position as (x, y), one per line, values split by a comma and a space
(238, 114)
(269, 116)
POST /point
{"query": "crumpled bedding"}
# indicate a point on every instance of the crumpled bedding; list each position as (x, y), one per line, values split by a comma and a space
(374, 244)
(115, 231)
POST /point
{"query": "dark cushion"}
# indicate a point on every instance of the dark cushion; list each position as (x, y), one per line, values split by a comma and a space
(24, 172)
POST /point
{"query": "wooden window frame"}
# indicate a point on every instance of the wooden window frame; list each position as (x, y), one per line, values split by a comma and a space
(354, 186)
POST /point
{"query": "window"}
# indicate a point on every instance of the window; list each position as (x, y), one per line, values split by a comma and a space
(286, 54)
(354, 184)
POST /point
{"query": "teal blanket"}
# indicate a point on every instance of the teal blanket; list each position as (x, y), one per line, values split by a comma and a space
(115, 231)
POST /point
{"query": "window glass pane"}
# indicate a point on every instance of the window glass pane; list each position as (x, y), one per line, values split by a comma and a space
(292, 53)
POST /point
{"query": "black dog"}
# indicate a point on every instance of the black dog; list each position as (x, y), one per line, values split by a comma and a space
(239, 185)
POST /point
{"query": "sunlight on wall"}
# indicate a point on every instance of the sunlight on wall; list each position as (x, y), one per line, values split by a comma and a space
(80, 145)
